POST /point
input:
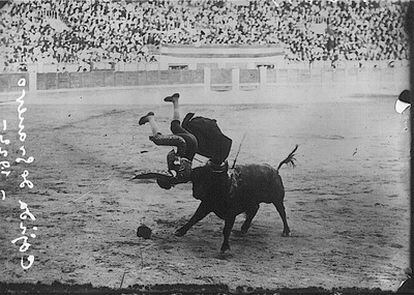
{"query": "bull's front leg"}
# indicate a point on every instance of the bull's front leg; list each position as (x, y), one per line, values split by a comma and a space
(202, 211)
(228, 225)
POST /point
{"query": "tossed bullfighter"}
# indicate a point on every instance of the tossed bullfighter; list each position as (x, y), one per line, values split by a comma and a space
(195, 135)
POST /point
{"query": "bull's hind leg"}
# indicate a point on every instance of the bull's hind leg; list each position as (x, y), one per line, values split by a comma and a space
(250, 214)
(281, 209)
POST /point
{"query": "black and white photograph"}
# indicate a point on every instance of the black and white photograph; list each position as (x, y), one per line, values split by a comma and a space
(205, 147)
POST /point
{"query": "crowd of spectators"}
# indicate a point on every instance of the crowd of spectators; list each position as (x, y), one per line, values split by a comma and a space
(114, 31)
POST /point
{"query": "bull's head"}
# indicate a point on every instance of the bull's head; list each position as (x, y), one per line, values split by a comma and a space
(208, 183)
(201, 179)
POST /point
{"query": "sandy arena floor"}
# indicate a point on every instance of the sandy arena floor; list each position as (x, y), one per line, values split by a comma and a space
(346, 201)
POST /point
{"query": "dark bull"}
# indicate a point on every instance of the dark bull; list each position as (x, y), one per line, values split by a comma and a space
(241, 192)
(230, 195)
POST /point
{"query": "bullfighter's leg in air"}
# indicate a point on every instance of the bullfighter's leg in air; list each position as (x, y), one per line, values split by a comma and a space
(174, 99)
(149, 118)
(161, 139)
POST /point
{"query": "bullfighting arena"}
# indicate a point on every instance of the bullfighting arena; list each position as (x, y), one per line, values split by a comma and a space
(346, 200)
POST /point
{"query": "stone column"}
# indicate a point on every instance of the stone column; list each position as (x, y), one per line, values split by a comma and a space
(32, 70)
(235, 78)
(207, 78)
(263, 77)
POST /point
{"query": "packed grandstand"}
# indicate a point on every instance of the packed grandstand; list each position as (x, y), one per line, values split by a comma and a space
(75, 31)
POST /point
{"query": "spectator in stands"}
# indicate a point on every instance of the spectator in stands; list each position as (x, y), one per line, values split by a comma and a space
(113, 31)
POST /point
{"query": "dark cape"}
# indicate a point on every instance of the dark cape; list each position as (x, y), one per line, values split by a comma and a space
(212, 143)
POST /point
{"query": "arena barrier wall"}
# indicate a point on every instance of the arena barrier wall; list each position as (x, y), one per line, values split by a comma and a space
(8, 82)
(249, 76)
(216, 79)
(221, 77)
(374, 78)
(46, 81)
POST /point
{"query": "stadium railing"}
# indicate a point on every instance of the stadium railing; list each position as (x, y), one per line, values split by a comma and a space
(53, 77)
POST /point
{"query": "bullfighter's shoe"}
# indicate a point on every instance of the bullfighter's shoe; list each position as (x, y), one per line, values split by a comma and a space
(172, 97)
(144, 119)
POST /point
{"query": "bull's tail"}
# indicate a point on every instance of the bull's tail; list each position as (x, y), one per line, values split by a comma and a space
(290, 159)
